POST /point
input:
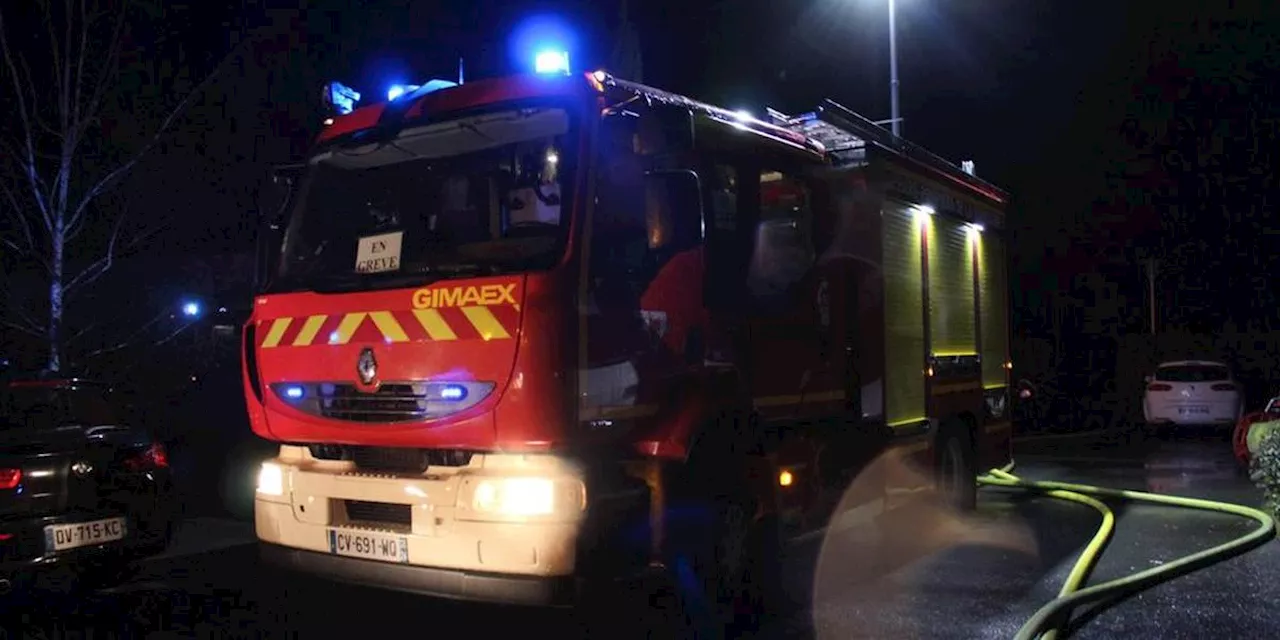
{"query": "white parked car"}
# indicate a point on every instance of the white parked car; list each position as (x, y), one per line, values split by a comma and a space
(1192, 392)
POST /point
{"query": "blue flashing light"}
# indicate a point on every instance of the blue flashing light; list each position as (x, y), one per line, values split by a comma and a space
(551, 61)
(453, 392)
(191, 309)
(397, 90)
(294, 392)
(341, 98)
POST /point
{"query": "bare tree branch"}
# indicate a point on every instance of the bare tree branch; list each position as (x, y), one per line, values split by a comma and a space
(99, 268)
(16, 308)
(53, 45)
(20, 98)
(104, 72)
(178, 110)
(38, 333)
(25, 323)
(130, 338)
(23, 223)
(63, 65)
(81, 333)
(85, 23)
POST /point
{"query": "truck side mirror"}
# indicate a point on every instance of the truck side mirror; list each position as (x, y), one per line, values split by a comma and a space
(276, 192)
(673, 209)
(274, 196)
(675, 219)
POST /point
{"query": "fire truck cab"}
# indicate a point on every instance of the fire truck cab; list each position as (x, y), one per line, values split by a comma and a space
(533, 333)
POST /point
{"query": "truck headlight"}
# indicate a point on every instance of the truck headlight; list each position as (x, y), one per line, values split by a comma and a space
(271, 479)
(525, 497)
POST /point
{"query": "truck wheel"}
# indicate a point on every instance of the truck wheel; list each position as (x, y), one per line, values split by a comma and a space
(763, 590)
(956, 469)
(712, 563)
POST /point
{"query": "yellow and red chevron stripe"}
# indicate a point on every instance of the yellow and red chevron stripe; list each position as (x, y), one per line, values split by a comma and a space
(498, 322)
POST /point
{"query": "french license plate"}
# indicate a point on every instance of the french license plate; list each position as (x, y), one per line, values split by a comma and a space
(368, 545)
(1194, 410)
(59, 537)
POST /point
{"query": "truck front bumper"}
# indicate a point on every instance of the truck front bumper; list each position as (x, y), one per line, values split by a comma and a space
(443, 545)
(552, 591)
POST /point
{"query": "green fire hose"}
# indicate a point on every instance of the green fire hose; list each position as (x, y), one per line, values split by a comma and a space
(1054, 615)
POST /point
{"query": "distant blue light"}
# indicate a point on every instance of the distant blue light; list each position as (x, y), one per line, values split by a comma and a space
(294, 392)
(191, 309)
(551, 62)
(453, 392)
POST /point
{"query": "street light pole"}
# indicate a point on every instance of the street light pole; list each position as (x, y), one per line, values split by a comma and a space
(893, 70)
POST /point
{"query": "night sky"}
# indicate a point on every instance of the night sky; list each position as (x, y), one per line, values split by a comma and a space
(1123, 129)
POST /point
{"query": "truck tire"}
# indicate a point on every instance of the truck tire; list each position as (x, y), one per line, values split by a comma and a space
(718, 565)
(763, 594)
(719, 579)
(956, 468)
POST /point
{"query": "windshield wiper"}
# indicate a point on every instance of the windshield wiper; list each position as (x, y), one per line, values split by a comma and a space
(462, 269)
(418, 276)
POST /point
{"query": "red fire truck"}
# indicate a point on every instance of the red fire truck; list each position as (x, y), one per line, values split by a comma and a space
(534, 333)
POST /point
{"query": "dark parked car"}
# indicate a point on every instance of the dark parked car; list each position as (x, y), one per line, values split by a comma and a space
(82, 494)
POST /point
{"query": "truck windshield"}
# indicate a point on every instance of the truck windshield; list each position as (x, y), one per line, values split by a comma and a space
(476, 195)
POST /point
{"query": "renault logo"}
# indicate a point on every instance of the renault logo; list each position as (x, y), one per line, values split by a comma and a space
(367, 366)
(82, 468)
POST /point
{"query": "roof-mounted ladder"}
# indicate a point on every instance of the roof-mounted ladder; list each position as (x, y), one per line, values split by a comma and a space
(846, 136)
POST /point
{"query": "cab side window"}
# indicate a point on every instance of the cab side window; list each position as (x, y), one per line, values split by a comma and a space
(784, 249)
(618, 231)
(722, 184)
(635, 230)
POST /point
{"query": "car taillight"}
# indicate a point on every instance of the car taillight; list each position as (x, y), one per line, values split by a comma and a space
(153, 457)
(1224, 386)
(1160, 387)
(10, 478)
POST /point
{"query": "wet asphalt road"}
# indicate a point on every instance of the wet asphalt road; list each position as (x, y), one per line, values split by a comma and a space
(926, 575)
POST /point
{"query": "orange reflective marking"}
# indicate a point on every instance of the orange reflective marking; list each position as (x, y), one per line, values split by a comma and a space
(434, 324)
(486, 325)
(309, 330)
(347, 328)
(276, 332)
(389, 326)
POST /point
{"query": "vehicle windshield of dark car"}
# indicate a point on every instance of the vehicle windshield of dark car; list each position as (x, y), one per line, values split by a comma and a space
(54, 407)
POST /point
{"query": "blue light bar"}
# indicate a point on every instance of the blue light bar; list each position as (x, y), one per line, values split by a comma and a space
(551, 62)
(294, 392)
